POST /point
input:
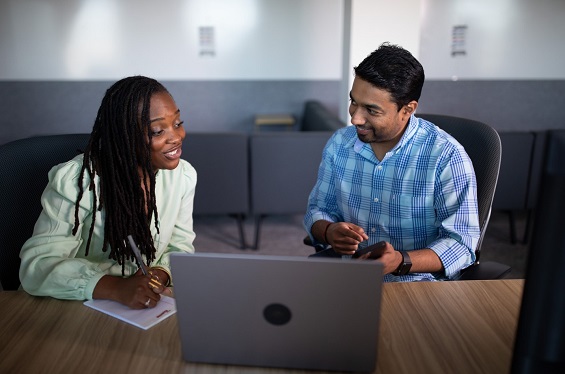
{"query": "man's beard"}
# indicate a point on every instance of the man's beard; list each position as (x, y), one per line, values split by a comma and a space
(369, 137)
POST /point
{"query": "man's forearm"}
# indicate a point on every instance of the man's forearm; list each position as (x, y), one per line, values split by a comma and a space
(319, 230)
(425, 261)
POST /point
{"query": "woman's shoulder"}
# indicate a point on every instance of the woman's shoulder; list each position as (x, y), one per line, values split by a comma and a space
(63, 178)
(66, 171)
(187, 169)
(184, 172)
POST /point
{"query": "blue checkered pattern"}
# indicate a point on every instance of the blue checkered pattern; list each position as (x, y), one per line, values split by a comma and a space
(423, 194)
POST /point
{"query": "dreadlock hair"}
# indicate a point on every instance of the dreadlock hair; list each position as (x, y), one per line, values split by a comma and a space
(119, 153)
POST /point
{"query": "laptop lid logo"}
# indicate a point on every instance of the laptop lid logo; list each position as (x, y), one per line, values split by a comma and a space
(277, 314)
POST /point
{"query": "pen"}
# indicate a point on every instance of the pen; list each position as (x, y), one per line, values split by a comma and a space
(138, 255)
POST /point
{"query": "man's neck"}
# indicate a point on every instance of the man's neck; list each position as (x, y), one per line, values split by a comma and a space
(380, 149)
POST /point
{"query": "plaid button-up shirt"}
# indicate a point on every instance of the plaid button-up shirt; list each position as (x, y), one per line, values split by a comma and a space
(423, 194)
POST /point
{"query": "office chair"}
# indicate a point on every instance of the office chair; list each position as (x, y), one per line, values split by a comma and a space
(24, 165)
(482, 144)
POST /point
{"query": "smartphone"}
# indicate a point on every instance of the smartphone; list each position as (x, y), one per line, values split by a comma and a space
(371, 252)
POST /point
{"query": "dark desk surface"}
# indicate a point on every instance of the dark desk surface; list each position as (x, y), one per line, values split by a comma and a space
(428, 327)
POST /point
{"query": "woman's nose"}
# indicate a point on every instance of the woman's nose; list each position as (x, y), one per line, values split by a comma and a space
(175, 138)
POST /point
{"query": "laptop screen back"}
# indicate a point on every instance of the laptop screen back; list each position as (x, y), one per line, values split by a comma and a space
(275, 311)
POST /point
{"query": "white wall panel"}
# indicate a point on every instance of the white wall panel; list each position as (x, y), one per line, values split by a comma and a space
(109, 39)
(374, 22)
(506, 39)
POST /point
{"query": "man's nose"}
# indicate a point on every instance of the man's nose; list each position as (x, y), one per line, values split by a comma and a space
(357, 118)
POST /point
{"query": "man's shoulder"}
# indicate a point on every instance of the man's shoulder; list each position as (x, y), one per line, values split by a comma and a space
(441, 142)
(345, 135)
(441, 139)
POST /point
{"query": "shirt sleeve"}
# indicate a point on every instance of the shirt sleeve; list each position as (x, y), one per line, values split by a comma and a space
(49, 266)
(322, 202)
(457, 212)
(183, 235)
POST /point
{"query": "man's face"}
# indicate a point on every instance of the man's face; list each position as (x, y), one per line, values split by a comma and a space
(375, 115)
(166, 131)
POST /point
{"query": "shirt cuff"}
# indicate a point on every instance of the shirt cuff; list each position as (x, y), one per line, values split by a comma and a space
(453, 255)
(92, 282)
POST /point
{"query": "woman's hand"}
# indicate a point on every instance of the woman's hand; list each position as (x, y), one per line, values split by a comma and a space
(137, 292)
(159, 279)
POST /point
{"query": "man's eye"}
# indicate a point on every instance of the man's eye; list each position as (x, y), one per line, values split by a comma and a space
(179, 124)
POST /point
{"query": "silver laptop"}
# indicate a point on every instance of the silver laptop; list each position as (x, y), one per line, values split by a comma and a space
(275, 311)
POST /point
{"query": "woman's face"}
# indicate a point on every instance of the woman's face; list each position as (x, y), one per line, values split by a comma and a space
(166, 132)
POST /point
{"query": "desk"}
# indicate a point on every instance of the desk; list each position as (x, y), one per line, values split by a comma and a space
(427, 327)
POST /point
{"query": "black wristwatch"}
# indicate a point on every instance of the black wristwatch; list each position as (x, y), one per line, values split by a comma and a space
(405, 265)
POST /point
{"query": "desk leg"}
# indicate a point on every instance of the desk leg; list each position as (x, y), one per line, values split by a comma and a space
(240, 217)
(258, 221)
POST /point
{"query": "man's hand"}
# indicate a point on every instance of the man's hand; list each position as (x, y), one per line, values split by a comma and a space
(385, 253)
(345, 237)
(390, 258)
(423, 260)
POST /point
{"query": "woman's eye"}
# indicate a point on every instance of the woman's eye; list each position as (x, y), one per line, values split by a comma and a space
(156, 132)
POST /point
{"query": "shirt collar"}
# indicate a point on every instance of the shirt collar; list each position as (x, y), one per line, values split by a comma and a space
(408, 134)
(365, 149)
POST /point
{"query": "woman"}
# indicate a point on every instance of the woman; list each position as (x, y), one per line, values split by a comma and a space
(129, 181)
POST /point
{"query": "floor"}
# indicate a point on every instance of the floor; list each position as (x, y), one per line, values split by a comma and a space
(282, 235)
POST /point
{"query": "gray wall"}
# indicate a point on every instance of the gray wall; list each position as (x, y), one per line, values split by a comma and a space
(513, 66)
(513, 69)
(57, 58)
(506, 105)
(32, 108)
(269, 59)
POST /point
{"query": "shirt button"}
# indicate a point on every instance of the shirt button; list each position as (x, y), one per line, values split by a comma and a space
(379, 167)
(376, 199)
(373, 229)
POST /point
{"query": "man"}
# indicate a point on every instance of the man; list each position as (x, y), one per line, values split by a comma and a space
(394, 181)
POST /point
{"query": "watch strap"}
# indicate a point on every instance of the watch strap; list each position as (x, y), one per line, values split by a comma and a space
(405, 265)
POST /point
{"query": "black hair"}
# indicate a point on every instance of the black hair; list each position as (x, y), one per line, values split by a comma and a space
(395, 70)
(119, 153)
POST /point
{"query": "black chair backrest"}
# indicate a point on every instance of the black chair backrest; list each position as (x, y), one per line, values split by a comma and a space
(482, 144)
(24, 165)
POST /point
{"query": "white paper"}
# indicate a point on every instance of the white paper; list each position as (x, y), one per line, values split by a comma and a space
(143, 318)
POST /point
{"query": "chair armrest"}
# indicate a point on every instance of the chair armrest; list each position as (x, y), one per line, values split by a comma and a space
(485, 270)
(318, 247)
